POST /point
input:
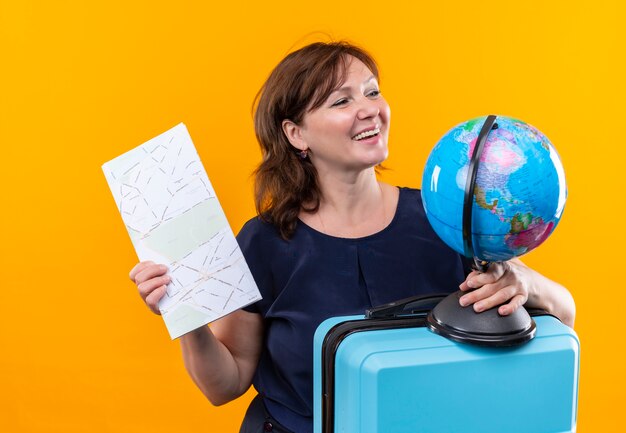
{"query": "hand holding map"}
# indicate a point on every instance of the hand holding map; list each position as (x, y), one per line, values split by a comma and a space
(173, 217)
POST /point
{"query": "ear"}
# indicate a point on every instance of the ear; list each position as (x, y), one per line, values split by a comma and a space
(294, 134)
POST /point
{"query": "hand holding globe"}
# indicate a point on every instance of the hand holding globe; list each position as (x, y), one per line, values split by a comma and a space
(493, 189)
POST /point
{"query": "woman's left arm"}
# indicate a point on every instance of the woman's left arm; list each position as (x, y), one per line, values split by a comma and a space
(514, 284)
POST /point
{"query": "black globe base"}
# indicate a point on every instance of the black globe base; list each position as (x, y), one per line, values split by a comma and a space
(488, 328)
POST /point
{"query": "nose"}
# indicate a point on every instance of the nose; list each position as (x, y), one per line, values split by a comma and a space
(368, 109)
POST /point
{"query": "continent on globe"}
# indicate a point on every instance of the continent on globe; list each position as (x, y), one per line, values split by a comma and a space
(527, 233)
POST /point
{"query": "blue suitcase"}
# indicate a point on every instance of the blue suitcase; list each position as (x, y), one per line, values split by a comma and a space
(393, 375)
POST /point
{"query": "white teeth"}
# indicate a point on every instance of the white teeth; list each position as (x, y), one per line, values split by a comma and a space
(366, 134)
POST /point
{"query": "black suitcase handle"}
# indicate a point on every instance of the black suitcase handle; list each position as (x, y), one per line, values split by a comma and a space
(420, 305)
(415, 305)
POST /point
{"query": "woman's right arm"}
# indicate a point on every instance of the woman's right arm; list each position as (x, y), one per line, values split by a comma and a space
(221, 359)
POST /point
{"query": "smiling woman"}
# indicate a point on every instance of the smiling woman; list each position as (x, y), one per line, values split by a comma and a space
(329, 240)
(308, 104)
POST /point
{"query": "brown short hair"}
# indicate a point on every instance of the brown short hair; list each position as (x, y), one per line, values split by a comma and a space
(284, 182)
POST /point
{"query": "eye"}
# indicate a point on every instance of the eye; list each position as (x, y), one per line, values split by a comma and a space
(340, 102)
(373, 93)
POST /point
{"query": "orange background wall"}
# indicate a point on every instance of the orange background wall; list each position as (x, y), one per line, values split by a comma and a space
(82, 82)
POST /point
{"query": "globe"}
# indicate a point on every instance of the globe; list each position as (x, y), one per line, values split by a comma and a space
(518, 195)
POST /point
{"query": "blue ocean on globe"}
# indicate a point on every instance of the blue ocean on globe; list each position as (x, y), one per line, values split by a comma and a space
(519, 195)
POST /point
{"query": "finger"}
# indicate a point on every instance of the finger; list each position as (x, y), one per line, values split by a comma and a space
(464, 286)
(149, 272)
(147, 287)
(515, 302)
(498, 298)
(474, 273)
(152, 300)
(493, 274)
(479, 294)
(138, 268)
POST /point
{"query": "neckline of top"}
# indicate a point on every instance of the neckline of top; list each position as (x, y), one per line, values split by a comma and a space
(362, 238)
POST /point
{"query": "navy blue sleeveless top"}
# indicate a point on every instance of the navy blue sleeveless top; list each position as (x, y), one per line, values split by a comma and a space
(313, 276)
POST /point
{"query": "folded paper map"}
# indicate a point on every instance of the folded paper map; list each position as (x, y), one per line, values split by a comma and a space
(173, 217)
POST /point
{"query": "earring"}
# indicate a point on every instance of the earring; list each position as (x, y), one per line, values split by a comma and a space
(303, 153)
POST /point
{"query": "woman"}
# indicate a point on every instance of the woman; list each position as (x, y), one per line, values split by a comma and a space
(329, 240)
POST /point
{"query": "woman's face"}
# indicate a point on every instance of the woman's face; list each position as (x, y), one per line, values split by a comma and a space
(349, 131)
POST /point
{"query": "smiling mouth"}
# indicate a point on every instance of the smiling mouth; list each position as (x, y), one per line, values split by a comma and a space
(367, 134)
